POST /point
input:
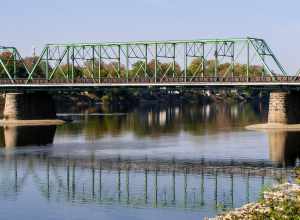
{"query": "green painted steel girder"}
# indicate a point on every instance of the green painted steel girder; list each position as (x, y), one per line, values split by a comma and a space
(157, 42)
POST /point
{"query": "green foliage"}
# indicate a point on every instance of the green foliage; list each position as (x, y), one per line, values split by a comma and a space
(65, 71)
(14, 67)
(197, 67)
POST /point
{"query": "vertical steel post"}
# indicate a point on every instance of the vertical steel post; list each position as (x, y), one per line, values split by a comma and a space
(263, 59)
(119, 61)
(127, 62)
(203, 59)
(73, 65)
(216, 59)
(248, 59)
(93, 61)
(155, 63)
(68, 63)
(99, 65)
(146, 59)
(232, 58)
(185, 61)
(174, 61)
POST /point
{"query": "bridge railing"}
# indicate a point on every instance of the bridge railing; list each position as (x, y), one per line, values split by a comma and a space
(147, 80)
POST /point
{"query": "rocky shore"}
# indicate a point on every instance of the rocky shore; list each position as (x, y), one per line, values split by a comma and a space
(280, 202)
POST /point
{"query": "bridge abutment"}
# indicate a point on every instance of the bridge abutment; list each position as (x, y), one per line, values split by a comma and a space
(29, 106)
(284, 108)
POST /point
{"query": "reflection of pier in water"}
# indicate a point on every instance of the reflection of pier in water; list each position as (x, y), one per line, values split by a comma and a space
(138, 183)
(284, 147)
(15, 136)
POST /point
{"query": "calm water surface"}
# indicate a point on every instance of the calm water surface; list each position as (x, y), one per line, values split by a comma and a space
(182, 162)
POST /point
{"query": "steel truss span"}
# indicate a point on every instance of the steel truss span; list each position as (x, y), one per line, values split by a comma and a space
(145, 62)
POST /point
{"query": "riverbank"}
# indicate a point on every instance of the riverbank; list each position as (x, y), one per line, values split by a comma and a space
(280, 202)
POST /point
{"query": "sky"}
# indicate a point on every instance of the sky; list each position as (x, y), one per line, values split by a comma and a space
(32, 23)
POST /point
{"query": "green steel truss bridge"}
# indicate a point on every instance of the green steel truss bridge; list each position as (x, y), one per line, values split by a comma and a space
(208, 62)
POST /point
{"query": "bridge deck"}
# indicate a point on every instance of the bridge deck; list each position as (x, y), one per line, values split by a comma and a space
(268, 83)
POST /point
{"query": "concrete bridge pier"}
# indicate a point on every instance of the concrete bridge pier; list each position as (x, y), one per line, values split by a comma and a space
(29, 106)
(284, 108)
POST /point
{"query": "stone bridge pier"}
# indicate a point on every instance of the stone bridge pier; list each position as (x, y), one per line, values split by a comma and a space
(29, 106)
(284, 107)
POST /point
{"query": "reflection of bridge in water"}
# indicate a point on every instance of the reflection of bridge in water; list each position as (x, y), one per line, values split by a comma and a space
(138, 183)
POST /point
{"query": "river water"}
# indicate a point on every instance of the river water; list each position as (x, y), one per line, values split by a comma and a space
(163, 162)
